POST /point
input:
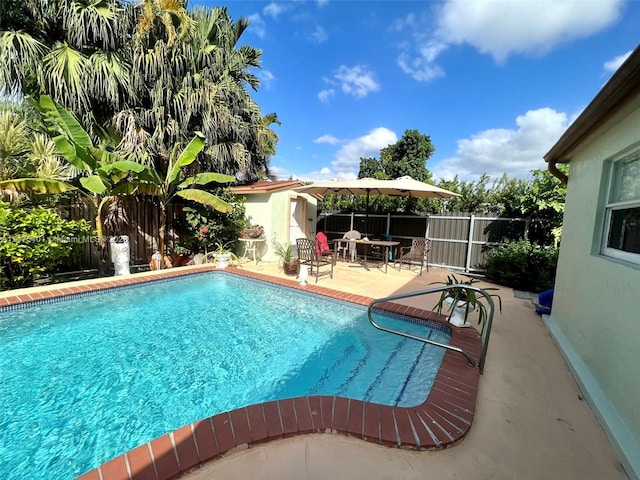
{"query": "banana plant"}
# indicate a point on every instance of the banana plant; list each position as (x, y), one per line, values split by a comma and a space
(101, 170)
(166, 187)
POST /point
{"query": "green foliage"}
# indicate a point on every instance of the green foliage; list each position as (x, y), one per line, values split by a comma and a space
(153, 71)
(34, 242)
(206, 226)
(371, 168)
(522, 265)
(461, 296)
(284, 251)
(408, 156)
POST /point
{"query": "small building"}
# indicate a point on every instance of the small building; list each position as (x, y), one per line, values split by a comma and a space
(595, 318)
(283, 213)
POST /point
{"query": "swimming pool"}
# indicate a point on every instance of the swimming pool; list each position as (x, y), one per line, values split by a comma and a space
(80, 377)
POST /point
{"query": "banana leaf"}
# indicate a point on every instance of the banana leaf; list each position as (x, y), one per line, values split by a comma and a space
(205, 198)
(207, 177)
(36, 185)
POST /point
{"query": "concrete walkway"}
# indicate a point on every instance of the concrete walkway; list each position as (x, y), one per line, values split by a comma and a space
(531, 421)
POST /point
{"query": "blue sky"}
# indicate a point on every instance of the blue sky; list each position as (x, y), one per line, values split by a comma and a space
(494, 83)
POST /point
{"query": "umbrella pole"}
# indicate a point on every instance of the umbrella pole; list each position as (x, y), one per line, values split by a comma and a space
(366, 216)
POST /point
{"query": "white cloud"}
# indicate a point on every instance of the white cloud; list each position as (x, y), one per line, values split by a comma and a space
(613, 64)
(499, 150)
(322, 3)
(419, 67)
(326, 138)
(357, 81)
(325, 95)
(347, 159)
(498, 28)
(319, 35)
(266, 78)
(274, 9)
(257, 25)
(524, 26)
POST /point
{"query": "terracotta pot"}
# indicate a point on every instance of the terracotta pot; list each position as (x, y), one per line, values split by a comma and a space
(291, 268)
(253, 232)
(179, 259)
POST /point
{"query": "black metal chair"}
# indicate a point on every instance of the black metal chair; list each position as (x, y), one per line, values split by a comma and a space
(308, 255)
(417, 252)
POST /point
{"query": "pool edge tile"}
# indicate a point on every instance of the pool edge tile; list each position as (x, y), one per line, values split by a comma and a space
(442, 420)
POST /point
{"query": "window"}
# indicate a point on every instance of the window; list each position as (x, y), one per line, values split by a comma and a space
(622, 217)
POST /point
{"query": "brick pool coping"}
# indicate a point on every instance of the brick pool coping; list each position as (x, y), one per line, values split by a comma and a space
(442, 420)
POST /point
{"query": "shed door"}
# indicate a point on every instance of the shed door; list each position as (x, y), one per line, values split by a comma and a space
(297, 209)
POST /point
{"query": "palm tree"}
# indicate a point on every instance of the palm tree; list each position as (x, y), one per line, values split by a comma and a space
(154, 70)
(165, 188)
(72, 50)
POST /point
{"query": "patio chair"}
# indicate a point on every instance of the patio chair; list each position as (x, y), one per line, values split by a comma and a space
(417, 252)
(352, 248)
(308, 255)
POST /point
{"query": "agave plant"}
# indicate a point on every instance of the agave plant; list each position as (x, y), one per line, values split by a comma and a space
(462, 297)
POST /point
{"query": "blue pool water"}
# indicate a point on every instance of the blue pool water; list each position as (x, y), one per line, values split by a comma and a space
(85, 380)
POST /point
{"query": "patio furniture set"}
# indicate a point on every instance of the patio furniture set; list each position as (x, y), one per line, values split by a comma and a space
(318, 254)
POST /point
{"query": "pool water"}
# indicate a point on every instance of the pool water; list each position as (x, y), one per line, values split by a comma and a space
(87, 379)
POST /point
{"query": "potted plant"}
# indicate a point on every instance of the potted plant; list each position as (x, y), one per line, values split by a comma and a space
(458, 302)
(284, 251)
(222, 255)
(180, 255)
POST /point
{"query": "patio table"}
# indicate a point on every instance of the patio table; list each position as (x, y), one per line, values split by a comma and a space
(251, 246)
(367, 244)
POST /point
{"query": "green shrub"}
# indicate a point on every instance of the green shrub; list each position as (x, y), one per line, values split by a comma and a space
(33, 242)
(522, 265)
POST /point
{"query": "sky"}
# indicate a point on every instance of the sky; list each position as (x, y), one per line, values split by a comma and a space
(493, 83)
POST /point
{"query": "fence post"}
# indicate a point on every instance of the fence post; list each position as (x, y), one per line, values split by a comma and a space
(467, 265)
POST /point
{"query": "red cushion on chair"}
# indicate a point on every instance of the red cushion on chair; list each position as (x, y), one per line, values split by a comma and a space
(322, 245)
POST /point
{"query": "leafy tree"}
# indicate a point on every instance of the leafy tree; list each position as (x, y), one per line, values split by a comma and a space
(370, 168)
(35, 241)
(154, 70)
(408, 156)
(165, 187)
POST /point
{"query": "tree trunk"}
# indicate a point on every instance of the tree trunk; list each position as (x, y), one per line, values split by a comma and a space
(102, 247)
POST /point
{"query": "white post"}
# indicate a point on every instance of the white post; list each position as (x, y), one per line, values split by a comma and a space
(467, 266)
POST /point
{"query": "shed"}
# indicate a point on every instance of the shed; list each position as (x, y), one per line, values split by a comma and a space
(595, 318)
(283, 213)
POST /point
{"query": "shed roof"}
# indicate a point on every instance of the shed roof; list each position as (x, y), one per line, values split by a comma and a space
(622, 85)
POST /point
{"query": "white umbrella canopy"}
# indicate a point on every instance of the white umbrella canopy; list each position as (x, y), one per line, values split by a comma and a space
(403, 186)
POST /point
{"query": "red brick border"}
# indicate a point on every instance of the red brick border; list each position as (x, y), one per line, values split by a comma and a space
(442, 420)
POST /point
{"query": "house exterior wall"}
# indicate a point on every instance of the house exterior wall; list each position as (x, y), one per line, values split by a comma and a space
(596, 309)
(272, 211)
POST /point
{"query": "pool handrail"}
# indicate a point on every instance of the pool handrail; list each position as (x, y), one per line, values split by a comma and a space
(486, 327)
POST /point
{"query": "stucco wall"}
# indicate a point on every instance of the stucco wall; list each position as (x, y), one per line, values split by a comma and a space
(272, 212)
(597, 299)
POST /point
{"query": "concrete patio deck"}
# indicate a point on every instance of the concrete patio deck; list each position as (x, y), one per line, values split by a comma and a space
(531, 421)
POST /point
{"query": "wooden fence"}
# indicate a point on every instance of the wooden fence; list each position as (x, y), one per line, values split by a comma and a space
(458, 241)
(138, 218)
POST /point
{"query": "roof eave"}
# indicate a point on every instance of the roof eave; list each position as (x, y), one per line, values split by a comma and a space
(624, 83)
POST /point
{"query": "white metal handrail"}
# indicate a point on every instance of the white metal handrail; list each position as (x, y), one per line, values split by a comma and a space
(486, 327)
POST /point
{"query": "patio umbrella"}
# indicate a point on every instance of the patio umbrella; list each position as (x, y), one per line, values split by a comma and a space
(403, 186)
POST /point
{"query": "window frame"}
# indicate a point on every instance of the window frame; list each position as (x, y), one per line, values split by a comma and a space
(611, 206)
